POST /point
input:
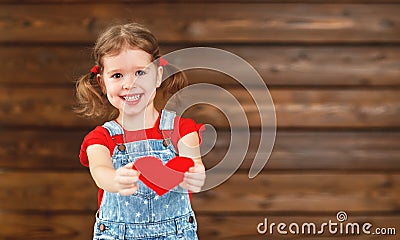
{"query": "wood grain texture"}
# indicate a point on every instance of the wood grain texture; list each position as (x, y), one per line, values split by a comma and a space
(277, 65)
(334, 151)
(46, 225)
(197, 1)
(294, 108)
(294, 151)
(285, 192)
(302, 192)
(47, 150)
(333, 68)
(312, 23)
(47, 191)
(214, 227)
(313, 66)
(40, 107)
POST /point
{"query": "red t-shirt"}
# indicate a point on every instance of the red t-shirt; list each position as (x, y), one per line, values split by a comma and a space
(100, 135)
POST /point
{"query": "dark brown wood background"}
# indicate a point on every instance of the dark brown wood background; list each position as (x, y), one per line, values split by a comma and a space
(333, 70)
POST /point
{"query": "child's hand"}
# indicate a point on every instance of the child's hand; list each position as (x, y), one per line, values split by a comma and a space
(126, 180)
(194, 179)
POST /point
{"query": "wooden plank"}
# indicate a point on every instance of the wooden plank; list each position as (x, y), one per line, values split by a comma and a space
(79, 226)
(322, 66)
(47, 191)
(313, 23)
(47, 150)
(299, 150)
(194, 1)
(339, 151)
(282, 192)
(337, 108)
(50, 65)
(46, 226)
(277, 65)
(294, 108)
(40, 107)
(302, 192)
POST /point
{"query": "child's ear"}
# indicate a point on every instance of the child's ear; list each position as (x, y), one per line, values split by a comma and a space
(101, 83)
(160, 71)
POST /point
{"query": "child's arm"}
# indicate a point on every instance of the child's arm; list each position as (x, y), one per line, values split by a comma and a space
(123, 180)
(188, 146)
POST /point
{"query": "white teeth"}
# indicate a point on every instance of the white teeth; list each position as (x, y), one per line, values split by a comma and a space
(132, 97)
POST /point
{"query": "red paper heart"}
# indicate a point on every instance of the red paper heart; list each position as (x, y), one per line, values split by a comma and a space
(159, 177)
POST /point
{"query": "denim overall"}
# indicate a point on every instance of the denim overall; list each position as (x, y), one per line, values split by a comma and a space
(145, 215)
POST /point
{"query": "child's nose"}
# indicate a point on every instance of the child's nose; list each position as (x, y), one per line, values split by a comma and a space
(129, 81)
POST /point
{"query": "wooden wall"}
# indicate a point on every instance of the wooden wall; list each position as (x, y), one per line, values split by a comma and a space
(333, 70)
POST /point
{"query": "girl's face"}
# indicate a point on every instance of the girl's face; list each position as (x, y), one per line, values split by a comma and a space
(130, 80)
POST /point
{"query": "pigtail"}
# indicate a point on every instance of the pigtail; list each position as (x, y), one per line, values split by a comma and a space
(91, 100)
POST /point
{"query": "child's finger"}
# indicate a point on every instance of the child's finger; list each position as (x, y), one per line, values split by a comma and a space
(197, 168)
(194, 183)
(193, 187)
(128, 191)
(128, 171)
(129, 165)
(194, 175)
(128, 180)
(200, 180)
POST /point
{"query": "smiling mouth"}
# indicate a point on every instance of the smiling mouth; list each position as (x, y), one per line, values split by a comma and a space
(132, 97)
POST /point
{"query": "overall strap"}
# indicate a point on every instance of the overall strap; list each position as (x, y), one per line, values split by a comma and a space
(113, 128)
(167, 120)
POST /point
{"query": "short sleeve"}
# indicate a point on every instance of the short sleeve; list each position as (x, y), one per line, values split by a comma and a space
(100, 136)
(184, 126)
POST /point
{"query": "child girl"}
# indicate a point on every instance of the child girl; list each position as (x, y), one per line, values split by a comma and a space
(122, 86)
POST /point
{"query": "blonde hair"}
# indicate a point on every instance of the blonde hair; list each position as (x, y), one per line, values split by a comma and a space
(91, 97)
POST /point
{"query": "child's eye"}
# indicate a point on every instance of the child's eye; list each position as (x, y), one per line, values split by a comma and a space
(140, 73)
(117, 75)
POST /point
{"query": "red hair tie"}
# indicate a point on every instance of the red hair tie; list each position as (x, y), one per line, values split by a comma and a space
(162, 62)
(95, 69)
